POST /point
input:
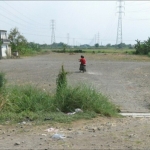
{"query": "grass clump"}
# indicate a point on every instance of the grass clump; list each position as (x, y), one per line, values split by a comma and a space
(2, 80)
(18, 103)
(85, 98)
(61, 80)
(27, 98)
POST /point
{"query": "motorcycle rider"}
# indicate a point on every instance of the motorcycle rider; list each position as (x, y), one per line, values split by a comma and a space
(83, 64)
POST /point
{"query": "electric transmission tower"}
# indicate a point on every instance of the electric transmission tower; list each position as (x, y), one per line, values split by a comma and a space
(119, 28)
(53, 31)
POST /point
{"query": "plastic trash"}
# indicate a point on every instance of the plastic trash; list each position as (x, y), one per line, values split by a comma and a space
(78, 110)
(58, 136)
(51, 130)
(22, 122)
(71, 113)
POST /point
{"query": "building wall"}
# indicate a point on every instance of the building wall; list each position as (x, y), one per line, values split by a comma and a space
(6, 51)
(4, 48)
(3, 35)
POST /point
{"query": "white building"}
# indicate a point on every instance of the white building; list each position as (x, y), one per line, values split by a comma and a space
(5, 50)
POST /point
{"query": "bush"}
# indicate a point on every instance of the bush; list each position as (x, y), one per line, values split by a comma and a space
(19, 102)
(61, 80)
(85, 98)
(79, 51)
(142, 47)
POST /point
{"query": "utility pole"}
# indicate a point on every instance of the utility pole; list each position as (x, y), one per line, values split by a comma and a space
(119, 28)
(53, 31)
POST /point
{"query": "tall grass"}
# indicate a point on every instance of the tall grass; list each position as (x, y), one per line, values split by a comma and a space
(21, 102)
(27, 98)
(61, 80)
(2, 79)
(86, 98)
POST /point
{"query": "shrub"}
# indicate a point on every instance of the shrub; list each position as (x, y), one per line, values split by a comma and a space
(19, 102)
(61, 80)
(79, 51)
(142, 47)
(85, 98)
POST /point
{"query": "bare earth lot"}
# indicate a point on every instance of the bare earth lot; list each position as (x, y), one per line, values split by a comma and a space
(123, 78)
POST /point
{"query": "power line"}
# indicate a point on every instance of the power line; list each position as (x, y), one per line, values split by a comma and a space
(73, 39)
(18, 22)
(12, 14)
(21, 13)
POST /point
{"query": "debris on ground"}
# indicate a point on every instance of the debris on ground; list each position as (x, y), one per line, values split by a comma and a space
(58, 136)
(51, 130)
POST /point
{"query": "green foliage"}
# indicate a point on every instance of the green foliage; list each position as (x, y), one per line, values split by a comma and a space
(1, 42)
(96, 45)
(85, 98)
(20, 102)
(27, 98)
(2, 80)
(64, 48)
(34, 46)
(17, 41)
(61, 80)
(27, 51)
(142, 48)
(67, 99)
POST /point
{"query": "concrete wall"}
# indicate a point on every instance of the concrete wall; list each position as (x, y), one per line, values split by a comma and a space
(6, 51)
(4, 48)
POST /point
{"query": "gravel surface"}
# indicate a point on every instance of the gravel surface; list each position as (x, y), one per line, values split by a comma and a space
(123, 78)
(126, 82)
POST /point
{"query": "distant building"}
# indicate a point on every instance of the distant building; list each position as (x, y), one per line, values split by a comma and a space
(5, 50)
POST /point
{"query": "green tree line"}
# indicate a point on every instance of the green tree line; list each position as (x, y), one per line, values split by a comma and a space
(19, 43)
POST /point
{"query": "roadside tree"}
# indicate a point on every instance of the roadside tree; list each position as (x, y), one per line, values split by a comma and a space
(17, 41)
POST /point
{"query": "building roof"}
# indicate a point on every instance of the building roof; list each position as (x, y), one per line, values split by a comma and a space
(3, 31)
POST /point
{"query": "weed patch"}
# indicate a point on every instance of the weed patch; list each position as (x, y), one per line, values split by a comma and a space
(20, 103)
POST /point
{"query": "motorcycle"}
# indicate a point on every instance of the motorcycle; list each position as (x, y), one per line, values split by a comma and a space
(82, 68)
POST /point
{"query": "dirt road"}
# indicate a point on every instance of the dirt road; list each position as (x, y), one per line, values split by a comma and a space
(126, 82)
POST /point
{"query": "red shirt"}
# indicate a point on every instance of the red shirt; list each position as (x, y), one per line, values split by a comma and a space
(83, 61)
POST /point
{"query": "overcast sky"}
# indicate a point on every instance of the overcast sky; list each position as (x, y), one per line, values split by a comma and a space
(81, 20)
